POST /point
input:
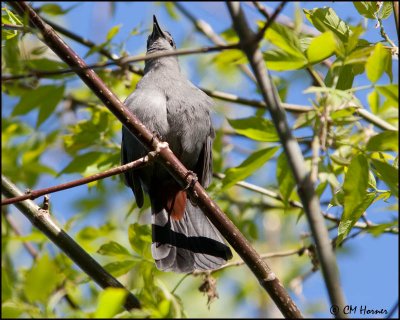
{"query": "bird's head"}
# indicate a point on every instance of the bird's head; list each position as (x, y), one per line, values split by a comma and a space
(159, 40)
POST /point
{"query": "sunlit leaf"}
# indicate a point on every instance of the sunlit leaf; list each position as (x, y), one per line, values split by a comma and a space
(377, 63)
(248, 166)
(326, 19)
(367, 9)
(384, 141)
(321, 47)
(111, 301)
(356, 199)
(256, 128)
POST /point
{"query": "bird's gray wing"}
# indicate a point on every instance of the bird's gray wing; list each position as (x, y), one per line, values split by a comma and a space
(204, 166)
(129, 154)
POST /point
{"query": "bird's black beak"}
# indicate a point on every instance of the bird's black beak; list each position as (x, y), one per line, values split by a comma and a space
(157, 32)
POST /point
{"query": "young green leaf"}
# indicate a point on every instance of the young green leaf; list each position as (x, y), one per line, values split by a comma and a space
(321, 47)
(285, 178)
(373, 101)
(356, 199)
(247, 167)
(326, 19)
(114, 249)
(367, 9)
(113, 32)
(377, 63)
(389, 174)
(390, 91)
(384, 141)
(140, 239)
(40, 282)
(285, 39)
(279, 60)
(119, 268)
(256, 128)
(110, 302)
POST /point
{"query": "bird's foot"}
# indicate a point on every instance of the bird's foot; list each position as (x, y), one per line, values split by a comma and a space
(191, 179)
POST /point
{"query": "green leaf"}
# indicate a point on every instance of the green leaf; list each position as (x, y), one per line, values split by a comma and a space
(140, 239)
(80, 163)
(285, 178)
(49, 104)
(389, 174)
(285, 39)
(355, 194)
(114, 249)
(120, 268)
(224, 59)
(113, 32)
(386, 10)
(346, 224)
(52, 9)
(279, 60)
(171, 10)
(373, 101)
(111, 301)
(40, 282)
(390, 91)
(247, 167)
(326, 19)
(377, 63)
(321, 47)
(256, 128)
(45, 97)
(384, 141)
(367, 9)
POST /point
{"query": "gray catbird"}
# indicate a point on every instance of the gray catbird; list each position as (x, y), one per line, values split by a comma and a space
(173, 108)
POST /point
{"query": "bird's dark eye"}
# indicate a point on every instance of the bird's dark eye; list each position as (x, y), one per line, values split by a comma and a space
(171, 43)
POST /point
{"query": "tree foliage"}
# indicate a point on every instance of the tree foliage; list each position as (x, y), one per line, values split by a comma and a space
(54, 130)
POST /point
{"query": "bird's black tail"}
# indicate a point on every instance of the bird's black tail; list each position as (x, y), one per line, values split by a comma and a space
(188, 244)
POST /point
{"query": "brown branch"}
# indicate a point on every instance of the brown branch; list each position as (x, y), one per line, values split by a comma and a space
(42, 220)
(240, 244)
(294, 156)
(33, 194)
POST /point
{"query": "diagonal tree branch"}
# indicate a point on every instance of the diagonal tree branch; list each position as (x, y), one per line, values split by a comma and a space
(41, 219)
(295, 158)
(259, 267)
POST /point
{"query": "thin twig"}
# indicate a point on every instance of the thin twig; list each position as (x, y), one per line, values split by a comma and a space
(33, 194)
(281, 254)
(270, 20)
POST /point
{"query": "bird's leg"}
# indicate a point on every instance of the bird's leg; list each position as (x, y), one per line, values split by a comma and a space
(191, 179)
